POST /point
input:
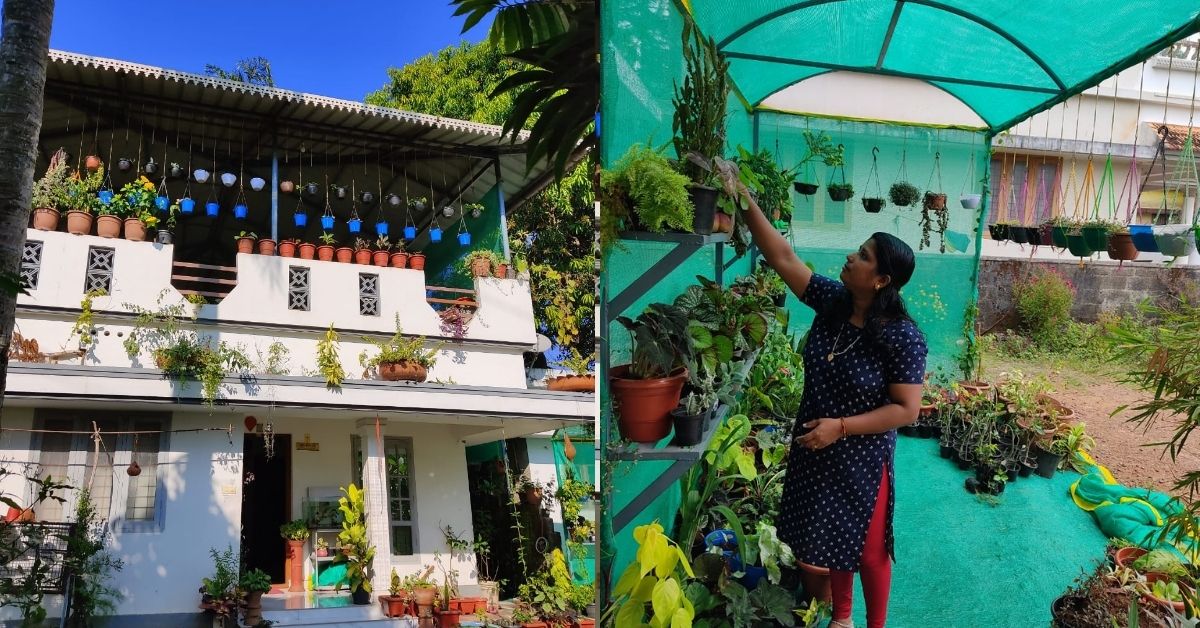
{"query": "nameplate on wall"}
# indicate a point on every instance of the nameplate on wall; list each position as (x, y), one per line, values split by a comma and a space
(307, 444)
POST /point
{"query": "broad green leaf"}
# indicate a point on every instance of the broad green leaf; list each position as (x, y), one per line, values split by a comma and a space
(628, 580)
(632, 613)
(665, 599)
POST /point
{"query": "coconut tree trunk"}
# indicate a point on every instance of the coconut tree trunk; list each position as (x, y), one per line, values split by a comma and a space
(24, 54)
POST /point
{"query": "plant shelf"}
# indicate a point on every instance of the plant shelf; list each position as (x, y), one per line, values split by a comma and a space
(686, 244)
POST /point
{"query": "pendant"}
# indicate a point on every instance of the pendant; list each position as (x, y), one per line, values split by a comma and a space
(829, 358)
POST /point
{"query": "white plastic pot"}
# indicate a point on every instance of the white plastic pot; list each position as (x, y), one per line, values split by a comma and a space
(228, 179)
(970, 201)
(257, 184)
(201, 175)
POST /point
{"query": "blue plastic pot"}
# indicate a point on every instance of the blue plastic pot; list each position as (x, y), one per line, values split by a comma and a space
(212, 207)
(410, 233)
(326, 222)
(240, 210)
(1143, 238)
(435, 234)
(754, 573)
(162, 203)
(354, 224)
(464, 239)
(381, 228)
(105, 196)
(301, 219)
(723, 538)
(186, 205)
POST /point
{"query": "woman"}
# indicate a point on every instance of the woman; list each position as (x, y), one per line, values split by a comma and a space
(864, 364)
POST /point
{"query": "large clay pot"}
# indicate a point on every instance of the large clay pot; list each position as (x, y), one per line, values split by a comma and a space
(108, 226)
(344, 254)
(402, 372)
(644, 405)
(245, 245)
(816, 582)
(253, 608)
(79, 223)
(295, 555)
(307, 250)
(380, 258)
(135, 230)
(424, 597)
(573, 383)
(416, 261)
(266, 246)
(362, 256)
(399, 260)
(45, 219)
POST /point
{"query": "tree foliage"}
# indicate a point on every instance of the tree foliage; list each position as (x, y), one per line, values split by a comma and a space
(252, 70)
(454, 82)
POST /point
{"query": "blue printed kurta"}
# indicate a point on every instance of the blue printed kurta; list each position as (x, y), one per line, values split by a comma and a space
(829, 494)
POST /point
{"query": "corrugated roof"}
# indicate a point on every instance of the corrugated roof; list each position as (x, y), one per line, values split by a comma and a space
(1176, 134)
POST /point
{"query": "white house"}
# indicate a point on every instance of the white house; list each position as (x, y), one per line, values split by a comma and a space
(277, 442)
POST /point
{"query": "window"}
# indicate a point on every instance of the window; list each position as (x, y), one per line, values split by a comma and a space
(298, 288)
(31, 263)
(368, 294)
(68, 452)
(402, 515)
(1025, 189)
(99, 269)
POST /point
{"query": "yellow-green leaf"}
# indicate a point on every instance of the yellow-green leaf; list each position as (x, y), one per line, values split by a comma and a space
(665, 599)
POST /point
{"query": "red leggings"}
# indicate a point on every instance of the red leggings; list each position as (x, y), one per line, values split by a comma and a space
(876, 568)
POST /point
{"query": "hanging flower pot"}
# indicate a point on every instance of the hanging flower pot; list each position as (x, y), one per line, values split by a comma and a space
(994, 230)
(162, 203)
(327, 222)
(92, 162)
(134, 469)
(970, 201)
(464, 238)
(228, 179)
(1058, 236)
(307, 249)
(135, 230)
(187, 205)
(312, 188)
(287, 187)
(1143, 238)
(416, 261)
(1175, 240)
(124, 164)
(1121, 248)
(935, 201)
(1078, 245)
(1017, 234)
(435, 234)
(1096, 237)
(150, 167)
(300, 218)
(394, 200)
(872, 205)
(354, 224)
(176, 171)
(367, 198)
(381, 228)
(105, 196)
(840, 192)
(257, 184)
(339, 191)
(240, 210)
(807, 189)
(212, 208)
(1046, 234)
(201, 175)
(410, 233)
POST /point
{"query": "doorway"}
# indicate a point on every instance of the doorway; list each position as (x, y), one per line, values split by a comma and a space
(266, 495)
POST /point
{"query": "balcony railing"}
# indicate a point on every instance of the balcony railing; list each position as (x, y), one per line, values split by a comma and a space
(1180, 56)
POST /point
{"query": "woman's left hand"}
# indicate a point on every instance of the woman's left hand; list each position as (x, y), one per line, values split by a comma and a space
(823, 433)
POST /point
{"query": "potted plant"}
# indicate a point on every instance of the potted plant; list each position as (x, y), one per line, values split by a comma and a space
(933, 208)
(362, 251)
(325, 251)
(311, 188)
(424, 593)
(698, 124)
(382, 253)
(416, 261)
(359, 554)
(872, 205)
(287, 247)
(218, 593)
(646, 390)
(417, 204)
(254, 583)
(266, 246)
(339, 191)
(124, 164)
(840, 192)
(400, 358)
(691, 417)
(51, 192)
(903, 194)
(245, 241)
(450, 611)
(344, 254)
(108, 214)
(479, 263)
(82, 200)
(295, 532)
(642, 190)
(399, 257)
(1120, 243)
(582, 378)
(165, 232)
(322, 547)
(395, 603)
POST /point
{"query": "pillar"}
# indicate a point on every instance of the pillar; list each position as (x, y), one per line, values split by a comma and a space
(374, 484)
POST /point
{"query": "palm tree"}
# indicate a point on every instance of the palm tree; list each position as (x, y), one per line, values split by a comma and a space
(557, 39)
(24, 55)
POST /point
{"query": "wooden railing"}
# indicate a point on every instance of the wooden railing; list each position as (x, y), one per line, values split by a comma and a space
(211, 282)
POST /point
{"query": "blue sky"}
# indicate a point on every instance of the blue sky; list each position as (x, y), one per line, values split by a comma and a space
(338, 48)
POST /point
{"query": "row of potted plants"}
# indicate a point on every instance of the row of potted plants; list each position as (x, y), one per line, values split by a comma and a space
(1134, 587)
(381, 253)
(1084, 238)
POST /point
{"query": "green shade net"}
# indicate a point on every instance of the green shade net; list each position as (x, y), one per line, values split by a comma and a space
(442, 259)
(1004, 60)
(583, 469)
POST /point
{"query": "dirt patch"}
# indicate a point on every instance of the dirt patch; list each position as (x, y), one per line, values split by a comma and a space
(1127, 449)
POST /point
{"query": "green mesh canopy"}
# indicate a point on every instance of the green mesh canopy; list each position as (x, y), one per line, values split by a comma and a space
(1004, 60)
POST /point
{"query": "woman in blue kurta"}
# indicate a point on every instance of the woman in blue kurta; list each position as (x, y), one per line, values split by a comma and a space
(864, 364)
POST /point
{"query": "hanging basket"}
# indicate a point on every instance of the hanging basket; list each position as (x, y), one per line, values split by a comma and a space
(970, 201)
(354, 224)
(435, 234)
(410, 232)
(1058, 236)
(212, 208)
(327, 222)
(1175, 240)
(1017, 233)
(301, 219)
(1096, 238)
(1121, 248)
(1143, 238)
(807, 189)
(1078, 245)
(464, 239)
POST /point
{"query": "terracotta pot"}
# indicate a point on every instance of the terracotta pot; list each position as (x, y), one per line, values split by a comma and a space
(45, 219)
(295, 556)
(324, 253)
(393, 605)
(535, 624)
(307, 250)
(287, 187)
(404, 371)
(135, 230)
(245, 245)
(1121, 248)
(1126, 556)
(644, 405)
(975, 388)
(399, 260)
(266, 246)
(449, 618)
(416, 261)
(79, 223)
(928, 410)
(362, 256)
(380, 258)
(1151, 578)
(92, 162)
(108, 226)
(253, 608)
(573, 383)
(344, 254)
(287, 249)
(816, 582)
(424, 597)
(501, 271)
(481, 268)
(584, 622)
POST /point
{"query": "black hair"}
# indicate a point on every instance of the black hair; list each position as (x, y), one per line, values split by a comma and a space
(894, 259)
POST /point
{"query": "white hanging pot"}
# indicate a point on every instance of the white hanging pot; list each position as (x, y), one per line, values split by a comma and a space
(394, 200)
(257, 184)
(970, 201)
(448, 211)
(229, 179)
(201, 175)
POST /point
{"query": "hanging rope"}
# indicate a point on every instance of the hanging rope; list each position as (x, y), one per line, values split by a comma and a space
(1133, 174)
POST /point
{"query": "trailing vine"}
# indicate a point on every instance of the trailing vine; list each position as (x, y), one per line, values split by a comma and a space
(328, 362)
(84, 322)
(970, 361)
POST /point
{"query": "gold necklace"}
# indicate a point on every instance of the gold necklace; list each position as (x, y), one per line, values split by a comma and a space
(833, 353)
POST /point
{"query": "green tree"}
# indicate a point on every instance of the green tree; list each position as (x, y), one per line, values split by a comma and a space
(554, 230)
(253, 70)
(454, 82)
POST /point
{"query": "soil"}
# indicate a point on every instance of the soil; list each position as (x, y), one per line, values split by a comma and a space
(1129, 450)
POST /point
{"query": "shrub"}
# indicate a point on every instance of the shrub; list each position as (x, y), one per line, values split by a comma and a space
(1044, 306)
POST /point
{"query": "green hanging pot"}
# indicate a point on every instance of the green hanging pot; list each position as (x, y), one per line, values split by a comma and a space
(1078, 245)
(1096, 238)
(1058, 237)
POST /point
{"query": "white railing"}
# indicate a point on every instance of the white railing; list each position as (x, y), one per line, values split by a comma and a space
(1180, 56)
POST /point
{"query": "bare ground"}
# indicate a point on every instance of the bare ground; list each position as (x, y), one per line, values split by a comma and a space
(1127, 449)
